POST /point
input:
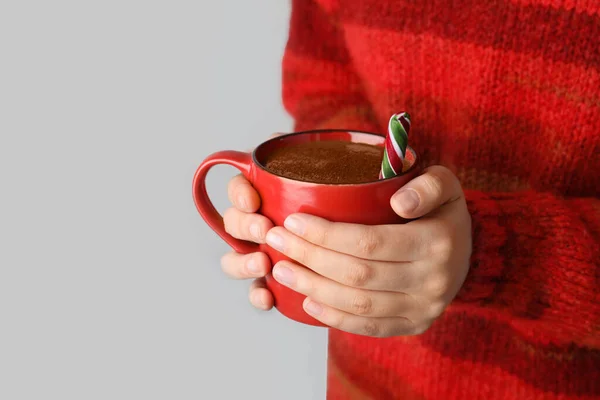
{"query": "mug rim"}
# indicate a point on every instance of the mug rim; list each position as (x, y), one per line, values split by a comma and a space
(313, 131)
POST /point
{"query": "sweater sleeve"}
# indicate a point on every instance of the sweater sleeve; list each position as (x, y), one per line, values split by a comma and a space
(320, 88)
(536, 263)
(536, 256)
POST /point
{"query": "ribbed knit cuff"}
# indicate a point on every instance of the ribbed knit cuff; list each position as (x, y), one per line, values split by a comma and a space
(489, 234)
(517, 242)
(535, 256)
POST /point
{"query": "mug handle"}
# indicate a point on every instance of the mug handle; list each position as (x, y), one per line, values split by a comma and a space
(239, 160)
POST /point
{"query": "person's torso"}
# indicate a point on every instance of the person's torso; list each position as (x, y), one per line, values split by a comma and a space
(505, 93)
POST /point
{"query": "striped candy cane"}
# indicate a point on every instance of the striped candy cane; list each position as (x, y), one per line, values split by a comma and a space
(395, 145)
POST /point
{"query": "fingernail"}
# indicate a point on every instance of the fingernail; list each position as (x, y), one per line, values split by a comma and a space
(242, 203)
(407, 200)
(252, 266)
(294, 225)
(283, 275)
(255, 231)
(262, 301)
(313, 308)
(258, 300)
(275, 241)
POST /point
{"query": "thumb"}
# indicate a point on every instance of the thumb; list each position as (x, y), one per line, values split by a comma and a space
(435, 187)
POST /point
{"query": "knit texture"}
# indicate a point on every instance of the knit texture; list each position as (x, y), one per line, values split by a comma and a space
(507, 95)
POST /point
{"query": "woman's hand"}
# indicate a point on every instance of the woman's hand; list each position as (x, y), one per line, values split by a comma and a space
(382, 281)
(242, 222)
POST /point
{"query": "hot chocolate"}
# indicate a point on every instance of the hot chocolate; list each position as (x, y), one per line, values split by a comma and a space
(330, 162)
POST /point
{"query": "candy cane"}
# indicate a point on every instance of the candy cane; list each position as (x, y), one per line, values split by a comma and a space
(395, 145)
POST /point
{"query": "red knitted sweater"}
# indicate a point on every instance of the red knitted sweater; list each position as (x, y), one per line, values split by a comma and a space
(506, 93)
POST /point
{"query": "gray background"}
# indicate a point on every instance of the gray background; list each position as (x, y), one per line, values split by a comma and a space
(110, 285)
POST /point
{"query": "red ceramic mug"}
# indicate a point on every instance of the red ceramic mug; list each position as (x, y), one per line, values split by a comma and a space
(363, 203)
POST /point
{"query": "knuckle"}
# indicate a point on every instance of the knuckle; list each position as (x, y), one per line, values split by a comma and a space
(233, 187)
(443, 243)
(254, 227)
(443, 173)
(337, 320)
(320, 236)
(443, 248)
(436, 309)
(358, 275)
(308, 286)
(405, 240)
(361, 305)
(434, 184)
(302, 254)
(372, 328)
(437, 286)
(368, 242)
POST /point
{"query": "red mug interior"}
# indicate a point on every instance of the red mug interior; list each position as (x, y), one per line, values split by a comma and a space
(363, 203)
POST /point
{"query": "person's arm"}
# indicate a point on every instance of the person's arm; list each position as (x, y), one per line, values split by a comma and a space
(320, 87)
(536, 263)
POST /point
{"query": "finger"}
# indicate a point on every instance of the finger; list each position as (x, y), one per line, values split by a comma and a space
(245, 266)
(345, 269)
(368, 303)
(260, 297)
(242, 194)
(422, 195)
(371, 242)
(241, 225)
(358, 325)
